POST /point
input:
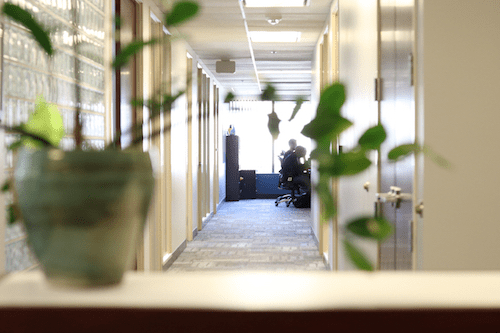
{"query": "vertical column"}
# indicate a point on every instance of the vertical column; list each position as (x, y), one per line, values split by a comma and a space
(200, 150)
(189, 183)
(206, 154)
(215, 194)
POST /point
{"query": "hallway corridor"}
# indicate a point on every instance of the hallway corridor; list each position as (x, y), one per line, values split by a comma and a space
(253, 235)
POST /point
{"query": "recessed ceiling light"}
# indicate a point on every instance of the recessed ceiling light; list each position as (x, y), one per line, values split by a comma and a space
(274, 52)
(273, 21)
(276, 3)
(274, 36)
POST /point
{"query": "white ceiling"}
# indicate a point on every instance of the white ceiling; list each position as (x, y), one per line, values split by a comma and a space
(218, 33)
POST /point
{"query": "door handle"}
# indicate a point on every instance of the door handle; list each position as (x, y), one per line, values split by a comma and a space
(394, 196)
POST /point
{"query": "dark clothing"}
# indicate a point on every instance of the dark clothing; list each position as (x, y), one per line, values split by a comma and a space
(292, 168)
(290, 165)
(287, 154)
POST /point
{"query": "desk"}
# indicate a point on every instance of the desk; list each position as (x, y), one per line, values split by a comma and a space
(257, 302)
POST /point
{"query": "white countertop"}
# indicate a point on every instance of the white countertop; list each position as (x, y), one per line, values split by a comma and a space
(261, 291)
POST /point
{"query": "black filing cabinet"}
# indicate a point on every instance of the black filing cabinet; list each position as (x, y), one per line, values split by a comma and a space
(248, 188)
(232, 169)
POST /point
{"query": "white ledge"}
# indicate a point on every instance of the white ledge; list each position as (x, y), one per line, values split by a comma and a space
(261, 291)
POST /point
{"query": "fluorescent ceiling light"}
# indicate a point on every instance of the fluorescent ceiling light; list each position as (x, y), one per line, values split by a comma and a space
(276, 3)
(274, 37)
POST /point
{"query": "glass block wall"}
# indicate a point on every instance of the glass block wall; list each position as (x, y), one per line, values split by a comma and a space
(77, 30)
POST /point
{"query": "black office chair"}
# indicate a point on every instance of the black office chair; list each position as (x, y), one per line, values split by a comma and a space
(286, 183)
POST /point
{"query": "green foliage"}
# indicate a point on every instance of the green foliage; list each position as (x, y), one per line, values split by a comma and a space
(326, 127)
(118, 22)
(6, 186)
(45, 126)
(269, 94)
(45, 122)
(331, 100)
(402, 151)
(26, 19)
(357, 257)
(345, 164)
(274, 125)
(373, 138)
(298, 105)
(370, 227)
(182, 11)
(124, 56)
(326, 197)
(229, 97)
(13, 214)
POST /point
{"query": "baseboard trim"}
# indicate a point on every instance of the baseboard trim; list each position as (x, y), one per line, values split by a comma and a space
(325, 259)
(205, 220)
(169, 260)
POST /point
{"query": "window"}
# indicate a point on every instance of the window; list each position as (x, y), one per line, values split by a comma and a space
(250, 118)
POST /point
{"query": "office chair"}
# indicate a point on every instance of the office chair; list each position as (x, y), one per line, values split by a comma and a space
(286, 183)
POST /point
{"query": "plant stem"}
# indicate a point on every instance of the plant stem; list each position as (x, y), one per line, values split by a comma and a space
(78, 119)
(21, 131)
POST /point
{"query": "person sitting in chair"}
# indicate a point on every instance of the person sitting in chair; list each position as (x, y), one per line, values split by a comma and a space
(293, 144)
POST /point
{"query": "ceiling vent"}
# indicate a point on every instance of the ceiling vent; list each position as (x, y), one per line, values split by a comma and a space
(225, 66)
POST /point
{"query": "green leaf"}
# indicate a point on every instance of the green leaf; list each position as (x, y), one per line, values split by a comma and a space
(45, 122)
(229, 97)
(436, 158)
(168, 101)
(357, 257)
(274, 125)
(373, 138)
(118, 22)
(6, 186)
(26, 19)
(123, 57)
(182, 11)
(298, 105)
(346, 164)
(370, 227)
(269, 94)
(402, 151)
(16, 145)
(13, 214)
(326, 198)
(138, 102)
(326, 127)
(331, 100)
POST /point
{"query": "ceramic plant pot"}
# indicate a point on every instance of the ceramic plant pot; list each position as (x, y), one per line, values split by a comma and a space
(84, 211)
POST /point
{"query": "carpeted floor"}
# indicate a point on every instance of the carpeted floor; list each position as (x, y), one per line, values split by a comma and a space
(253, 235)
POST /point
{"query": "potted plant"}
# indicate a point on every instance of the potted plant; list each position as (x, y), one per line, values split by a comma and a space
(83, 210)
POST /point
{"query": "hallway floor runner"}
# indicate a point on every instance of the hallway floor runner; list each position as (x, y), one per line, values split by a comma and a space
(253, 235)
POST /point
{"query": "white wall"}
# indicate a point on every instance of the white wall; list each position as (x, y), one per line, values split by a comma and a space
(223, 115)
(358, 54)
(459, 100)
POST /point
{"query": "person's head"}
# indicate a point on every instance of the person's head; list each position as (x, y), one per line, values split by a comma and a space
(293, 144)
(300, 151)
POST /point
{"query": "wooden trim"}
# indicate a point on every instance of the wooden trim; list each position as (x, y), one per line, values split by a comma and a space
(199, 181)
(189, 182)
(215, 189)
(19, 319)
